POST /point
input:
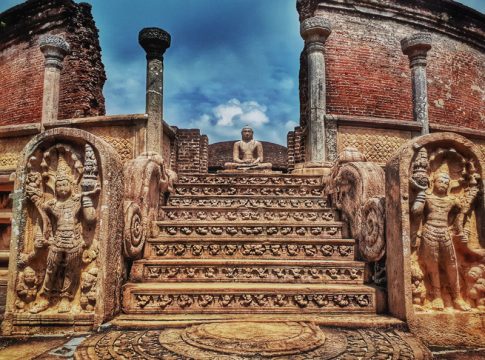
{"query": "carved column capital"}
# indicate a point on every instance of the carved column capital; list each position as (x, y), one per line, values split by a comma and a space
(55, 49)
(416, 47)
(315, 30)
(154, 41)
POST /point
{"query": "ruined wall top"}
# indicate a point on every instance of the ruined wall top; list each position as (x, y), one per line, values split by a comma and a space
(22, 67)
(446, 16)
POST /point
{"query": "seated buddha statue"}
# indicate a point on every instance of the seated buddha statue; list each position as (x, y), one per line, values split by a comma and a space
(247, 154)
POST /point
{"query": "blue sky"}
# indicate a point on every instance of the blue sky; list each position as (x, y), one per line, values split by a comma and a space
(231, 63)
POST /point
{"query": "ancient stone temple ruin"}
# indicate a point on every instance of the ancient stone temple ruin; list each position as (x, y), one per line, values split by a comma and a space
(364, 238)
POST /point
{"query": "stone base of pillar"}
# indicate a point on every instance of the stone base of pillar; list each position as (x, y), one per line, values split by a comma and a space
(313, 168)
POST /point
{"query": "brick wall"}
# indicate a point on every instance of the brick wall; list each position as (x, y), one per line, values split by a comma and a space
(290, 140)
(368, 75)
(191, 151)
(22, 63)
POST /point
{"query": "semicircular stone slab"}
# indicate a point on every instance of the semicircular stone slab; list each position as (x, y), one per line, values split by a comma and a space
(253, 340)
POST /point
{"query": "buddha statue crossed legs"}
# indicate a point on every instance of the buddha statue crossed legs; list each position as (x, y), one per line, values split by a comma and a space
(247, 154)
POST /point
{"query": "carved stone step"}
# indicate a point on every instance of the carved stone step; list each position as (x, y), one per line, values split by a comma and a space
(335, 230)
(173, 298)
(252, 179)
(248, 190)
(215, 214)
(276, 202)
(242, 270)
(224, 248)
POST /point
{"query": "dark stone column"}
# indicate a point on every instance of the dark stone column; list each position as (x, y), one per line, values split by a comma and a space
(416, 48)
(154, 41)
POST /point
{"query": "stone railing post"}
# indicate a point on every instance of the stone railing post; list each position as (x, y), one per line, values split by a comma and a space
(154, 41)
(315, 32)
(55, 49)
(416, 48)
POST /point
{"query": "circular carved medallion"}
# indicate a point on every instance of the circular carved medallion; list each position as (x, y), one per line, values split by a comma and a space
(255, 338)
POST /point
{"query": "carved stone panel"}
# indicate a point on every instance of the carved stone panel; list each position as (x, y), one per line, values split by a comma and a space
(66, 256)
(356, 187)
(436, 238)
(378, 145)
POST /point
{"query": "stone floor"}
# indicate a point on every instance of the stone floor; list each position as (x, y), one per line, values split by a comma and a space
(233, 341)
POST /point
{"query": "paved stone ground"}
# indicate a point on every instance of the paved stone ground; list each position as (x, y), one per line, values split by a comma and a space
(208, 341)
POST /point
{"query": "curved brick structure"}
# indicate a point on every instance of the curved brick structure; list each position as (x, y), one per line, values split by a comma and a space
(369, 83)
(367, 74)
(22, 63)
(221, 152)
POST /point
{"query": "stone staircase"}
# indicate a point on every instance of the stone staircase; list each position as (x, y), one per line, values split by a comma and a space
(248, 244)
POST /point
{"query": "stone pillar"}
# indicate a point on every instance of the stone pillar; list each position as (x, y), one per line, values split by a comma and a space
(416, 48)
(315, 32)
(154, 41)
(54, 48)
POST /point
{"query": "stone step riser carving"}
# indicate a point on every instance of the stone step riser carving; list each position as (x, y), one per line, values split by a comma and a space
(249, 190)
(165, 301)
(242, 179)
(270, 273)
(225, 249)
(271, 215)
(262, 202)
(335, 230)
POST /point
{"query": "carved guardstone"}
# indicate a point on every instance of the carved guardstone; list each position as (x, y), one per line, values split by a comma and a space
(436, 237)
(66, 268)
(247, 155)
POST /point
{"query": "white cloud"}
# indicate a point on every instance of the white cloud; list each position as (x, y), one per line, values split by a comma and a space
(237, 113)
(225, 121)
(225, 113)
(254, 118)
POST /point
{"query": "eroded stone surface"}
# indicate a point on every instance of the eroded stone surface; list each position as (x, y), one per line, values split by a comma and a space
(435, 238)
(66, 244)
(248, 340)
